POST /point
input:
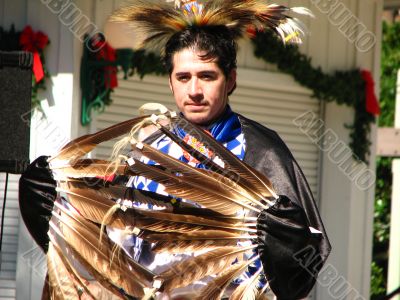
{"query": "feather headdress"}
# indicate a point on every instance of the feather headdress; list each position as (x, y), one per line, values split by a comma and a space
(158, 20)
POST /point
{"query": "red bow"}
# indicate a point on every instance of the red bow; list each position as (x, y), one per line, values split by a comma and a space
(34, 42)
(251, 31)
(107, 53)
(371, 102)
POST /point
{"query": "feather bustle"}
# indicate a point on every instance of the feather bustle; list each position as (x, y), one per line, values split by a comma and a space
(83, 237)
(204, 235)
(112, 192)
(86, 168)
(201, 193)
(61, 283)
(203, 222)
(83, 145)
(215, 288)
(247, 290)
(252, 183)
(189, 246)
(103, 280)
(92, 233)
(190, 173)
(190, 270)
(70, 268)
(192, 241)
(93, 207)
(246, 173)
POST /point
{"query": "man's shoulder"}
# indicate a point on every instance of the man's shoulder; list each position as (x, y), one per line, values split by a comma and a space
(261, 140)
(254, 129)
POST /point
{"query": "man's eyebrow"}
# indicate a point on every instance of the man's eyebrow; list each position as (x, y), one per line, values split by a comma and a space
(207, 72)
(181, 73)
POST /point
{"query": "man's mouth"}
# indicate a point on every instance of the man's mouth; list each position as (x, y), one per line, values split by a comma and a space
(195, 103)
(195, 107)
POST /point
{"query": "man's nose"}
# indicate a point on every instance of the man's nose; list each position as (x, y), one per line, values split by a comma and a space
(195, 90)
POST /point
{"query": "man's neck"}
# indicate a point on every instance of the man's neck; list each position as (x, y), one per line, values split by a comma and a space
(212, 123)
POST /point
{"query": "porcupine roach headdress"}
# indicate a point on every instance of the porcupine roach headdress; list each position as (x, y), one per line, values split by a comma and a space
(158, 21)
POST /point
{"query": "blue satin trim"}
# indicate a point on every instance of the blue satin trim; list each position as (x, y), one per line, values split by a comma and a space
(225, 129)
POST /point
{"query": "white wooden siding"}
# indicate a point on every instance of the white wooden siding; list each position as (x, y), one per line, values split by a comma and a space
(12, 12)
(8, 255)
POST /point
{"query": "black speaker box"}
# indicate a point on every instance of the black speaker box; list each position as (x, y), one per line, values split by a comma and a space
(15, 110)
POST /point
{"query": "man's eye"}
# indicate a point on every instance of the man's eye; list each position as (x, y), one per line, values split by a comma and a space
(207, 77)
(183, 78)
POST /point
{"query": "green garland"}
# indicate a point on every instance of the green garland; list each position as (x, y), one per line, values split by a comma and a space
(343, 87)
(96, 94)
(146, 63)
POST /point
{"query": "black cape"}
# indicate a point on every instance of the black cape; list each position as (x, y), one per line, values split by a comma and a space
(291, 254)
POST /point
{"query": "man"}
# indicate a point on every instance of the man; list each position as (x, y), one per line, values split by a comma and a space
(200, 55)
(201, 62)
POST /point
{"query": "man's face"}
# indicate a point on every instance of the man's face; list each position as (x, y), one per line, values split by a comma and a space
(199, 86)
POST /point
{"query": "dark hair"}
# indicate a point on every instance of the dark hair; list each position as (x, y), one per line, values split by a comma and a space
(216, 41)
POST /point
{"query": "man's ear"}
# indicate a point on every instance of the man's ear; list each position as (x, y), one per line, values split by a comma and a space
(170, 85)
(231, 82)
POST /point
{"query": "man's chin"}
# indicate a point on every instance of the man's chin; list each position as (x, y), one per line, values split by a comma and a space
(198, 118)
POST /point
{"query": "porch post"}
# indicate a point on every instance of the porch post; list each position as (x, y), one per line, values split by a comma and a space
(394, 246)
